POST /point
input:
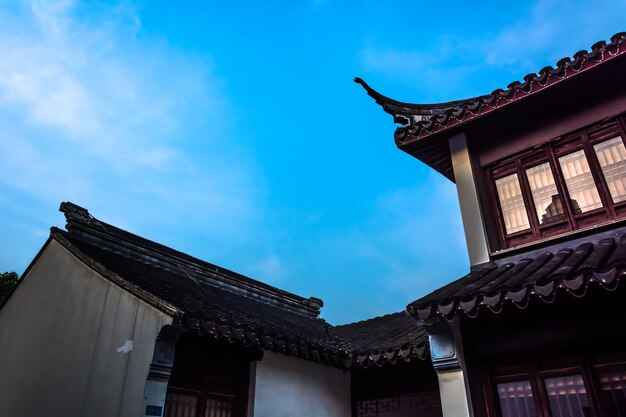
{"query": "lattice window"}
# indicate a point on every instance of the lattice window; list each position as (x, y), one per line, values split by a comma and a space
(426, 404)
(516, 399)
(563, 185)
(568, 396)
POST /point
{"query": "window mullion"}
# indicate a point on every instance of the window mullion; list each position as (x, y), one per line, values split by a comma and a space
(536, 382)
(598, 177)
(528, 199)
(490, 392)
(497, 209)
(621, 125)
(592, 388)
(561, 187)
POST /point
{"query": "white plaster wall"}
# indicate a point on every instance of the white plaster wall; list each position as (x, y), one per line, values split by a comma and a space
(289, 387)
(59, 335)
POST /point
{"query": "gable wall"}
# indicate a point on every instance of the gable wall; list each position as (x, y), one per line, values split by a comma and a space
(59, 336)
(286, 387)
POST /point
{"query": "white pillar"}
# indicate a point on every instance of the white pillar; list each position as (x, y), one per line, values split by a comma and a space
(446, 355)
(473, 222)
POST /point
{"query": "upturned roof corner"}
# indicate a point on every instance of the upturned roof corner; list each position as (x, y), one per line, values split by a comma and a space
(424, 128)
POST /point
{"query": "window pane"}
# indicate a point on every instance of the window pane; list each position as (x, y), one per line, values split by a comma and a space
(614, 393)
(580, 184)
(512, 203)
(545, 196)
(612, 157)
(516, 399)
(180, 405)
(568, 397)
(219, 407)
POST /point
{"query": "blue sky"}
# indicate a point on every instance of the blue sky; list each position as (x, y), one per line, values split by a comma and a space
(234, 132)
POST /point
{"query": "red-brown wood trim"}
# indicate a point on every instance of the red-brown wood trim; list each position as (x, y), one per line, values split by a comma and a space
(598, 177)
(528, 199)
(562, 188)
(539, 391)
(489, 396)
(495, 204)
(536, 370)
(582, 139)
(593, 390)
(621, 125)
(539, 157)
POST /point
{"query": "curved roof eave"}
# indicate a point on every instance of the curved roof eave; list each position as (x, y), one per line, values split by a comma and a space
(422, 121)
(395, 107)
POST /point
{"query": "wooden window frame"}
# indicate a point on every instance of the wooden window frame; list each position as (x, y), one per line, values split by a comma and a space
(207, 392)
(536, 371)
(517, 377)
(550, 152)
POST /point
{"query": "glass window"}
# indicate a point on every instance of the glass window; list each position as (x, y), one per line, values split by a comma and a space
(612, 158)
(567, 396)
(516, 399)
(548, 204)
(614, 393)
(512, 204)
(180, 405)
(579, 181)
(219, 407)
(584, 186)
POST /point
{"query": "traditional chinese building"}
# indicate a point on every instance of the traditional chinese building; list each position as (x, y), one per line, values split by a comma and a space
(105, 322)
(536, 327)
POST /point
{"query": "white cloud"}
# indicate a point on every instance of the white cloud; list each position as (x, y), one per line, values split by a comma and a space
(270, 269)
(453, 66)
(92, 84)
(539, 36)
(94, 111)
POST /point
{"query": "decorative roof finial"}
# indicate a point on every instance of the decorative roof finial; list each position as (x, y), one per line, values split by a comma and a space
(75, 213)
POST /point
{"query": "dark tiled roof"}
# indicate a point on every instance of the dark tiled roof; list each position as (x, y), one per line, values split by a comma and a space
(420, 121)
(81, 223)
(215, 301)
(388, 338)
(544, 277)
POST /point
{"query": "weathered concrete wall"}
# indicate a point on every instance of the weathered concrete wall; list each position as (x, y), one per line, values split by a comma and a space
(288, 387)
(60, 339)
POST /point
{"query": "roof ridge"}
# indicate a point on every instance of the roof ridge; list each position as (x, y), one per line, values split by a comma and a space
(403, 312)
(81, 224)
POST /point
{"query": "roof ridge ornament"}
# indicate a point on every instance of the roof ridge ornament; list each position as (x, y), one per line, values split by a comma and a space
(315, 302)
(76, 213)
(425, 128)
(395, 107)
